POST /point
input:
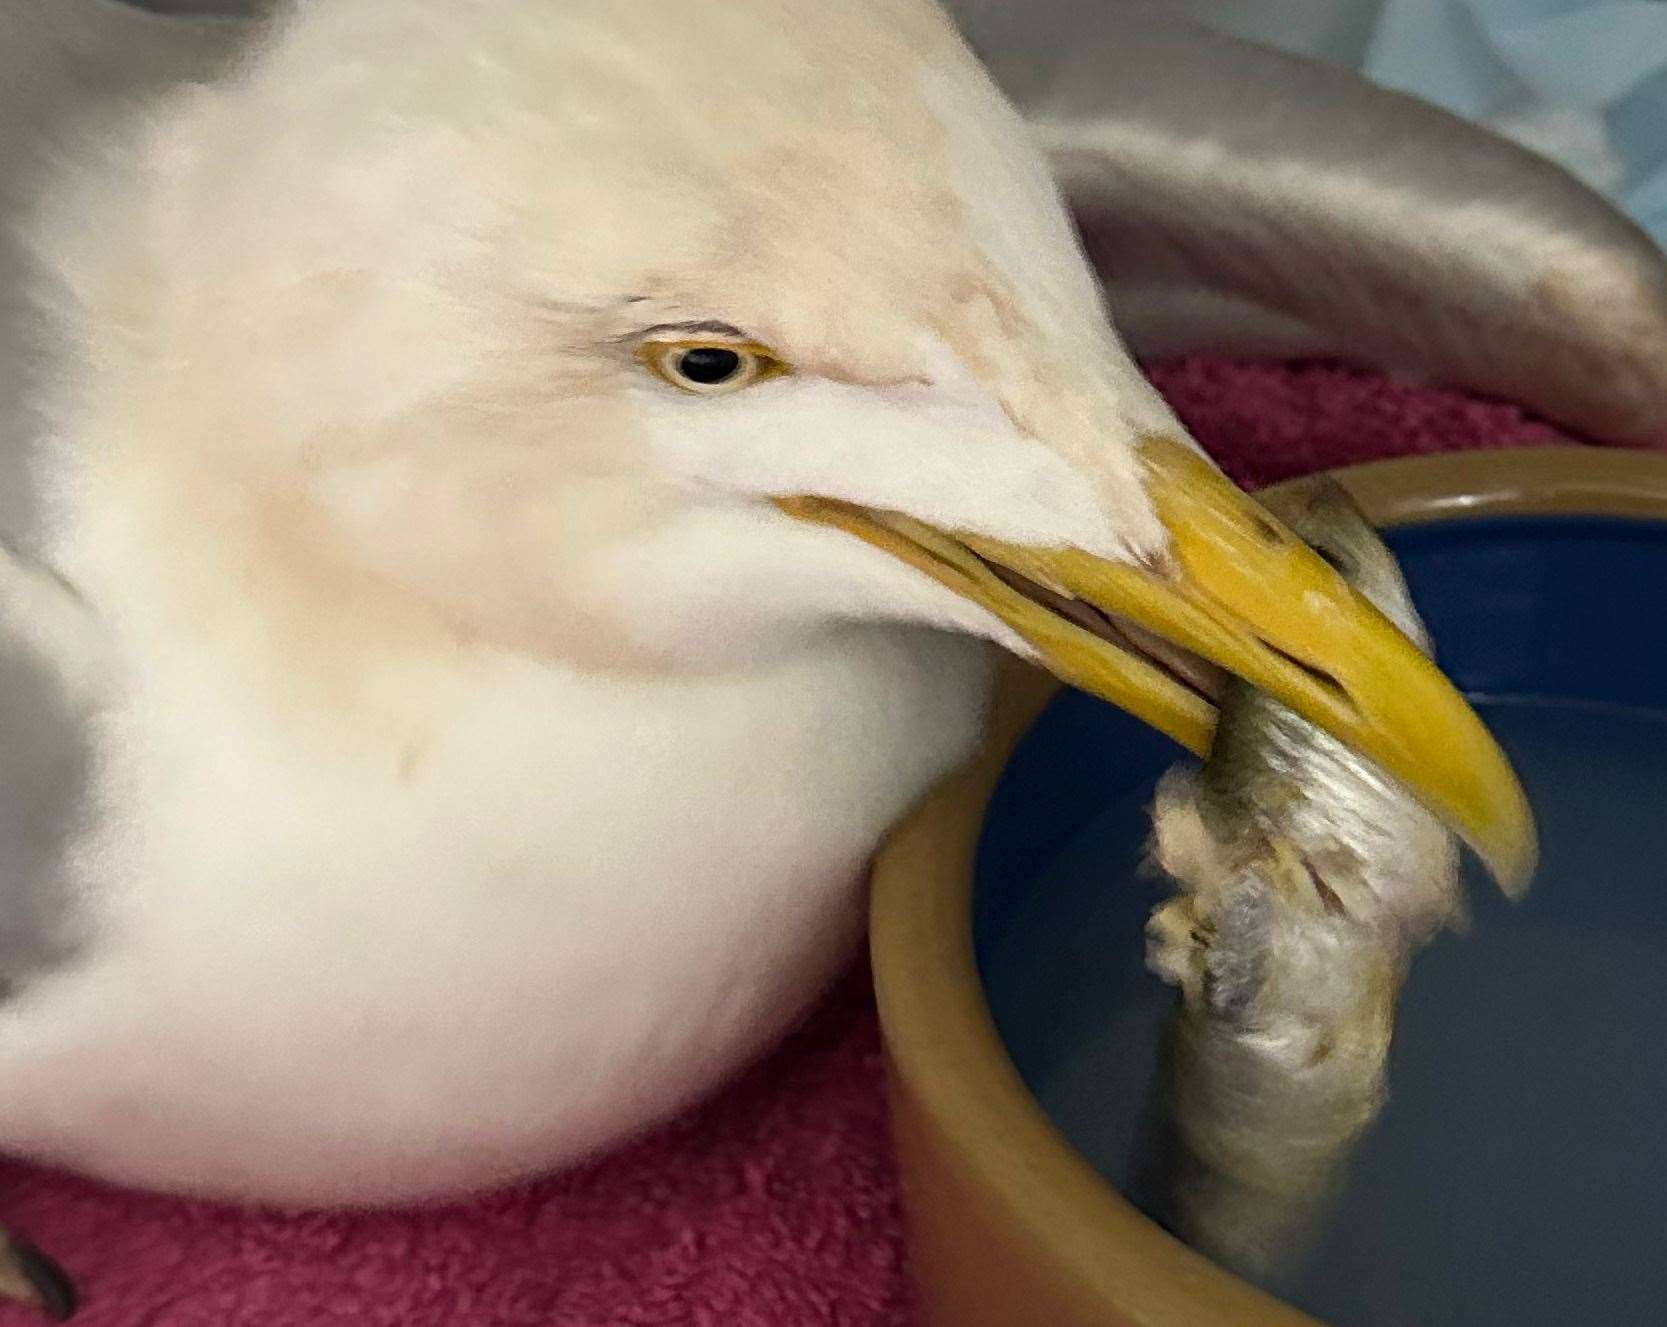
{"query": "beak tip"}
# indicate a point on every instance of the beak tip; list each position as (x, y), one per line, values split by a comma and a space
(1508, 841)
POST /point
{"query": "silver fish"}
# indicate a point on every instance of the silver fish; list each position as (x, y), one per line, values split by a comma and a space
(1307, 879)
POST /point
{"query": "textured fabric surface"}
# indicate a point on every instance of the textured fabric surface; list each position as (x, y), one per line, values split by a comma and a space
(774, 1204)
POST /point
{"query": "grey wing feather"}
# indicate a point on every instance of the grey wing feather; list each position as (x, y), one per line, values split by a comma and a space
(1238, 198)
(56, 671)
(64, 64)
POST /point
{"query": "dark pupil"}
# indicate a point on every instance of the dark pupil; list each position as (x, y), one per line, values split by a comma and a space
(709, 365)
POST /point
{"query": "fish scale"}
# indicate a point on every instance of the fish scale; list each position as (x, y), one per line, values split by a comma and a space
(1306, 880)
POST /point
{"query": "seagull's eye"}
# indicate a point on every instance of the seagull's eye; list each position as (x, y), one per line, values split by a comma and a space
(710, 368)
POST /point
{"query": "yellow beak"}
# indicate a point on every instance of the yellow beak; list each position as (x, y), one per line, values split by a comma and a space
(1244, 593)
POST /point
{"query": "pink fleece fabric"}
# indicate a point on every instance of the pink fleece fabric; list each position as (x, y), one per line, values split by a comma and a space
(772, 1205)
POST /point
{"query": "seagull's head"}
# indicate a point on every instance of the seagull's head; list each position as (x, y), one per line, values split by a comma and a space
(679, 336)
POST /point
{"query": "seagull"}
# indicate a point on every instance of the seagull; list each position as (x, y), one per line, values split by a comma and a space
(528, 493)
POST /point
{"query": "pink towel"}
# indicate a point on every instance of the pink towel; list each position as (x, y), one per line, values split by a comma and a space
(774, 1204)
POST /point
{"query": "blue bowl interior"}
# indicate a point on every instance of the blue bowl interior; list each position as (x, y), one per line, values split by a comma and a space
(1516, 1175)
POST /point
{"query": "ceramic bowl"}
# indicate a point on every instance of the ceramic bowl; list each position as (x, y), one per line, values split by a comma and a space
(1020, 1024)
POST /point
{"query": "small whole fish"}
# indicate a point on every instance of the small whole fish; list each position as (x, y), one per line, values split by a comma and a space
(1307, 879)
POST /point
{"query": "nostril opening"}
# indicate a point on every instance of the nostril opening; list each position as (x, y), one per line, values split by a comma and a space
(1318, 675)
